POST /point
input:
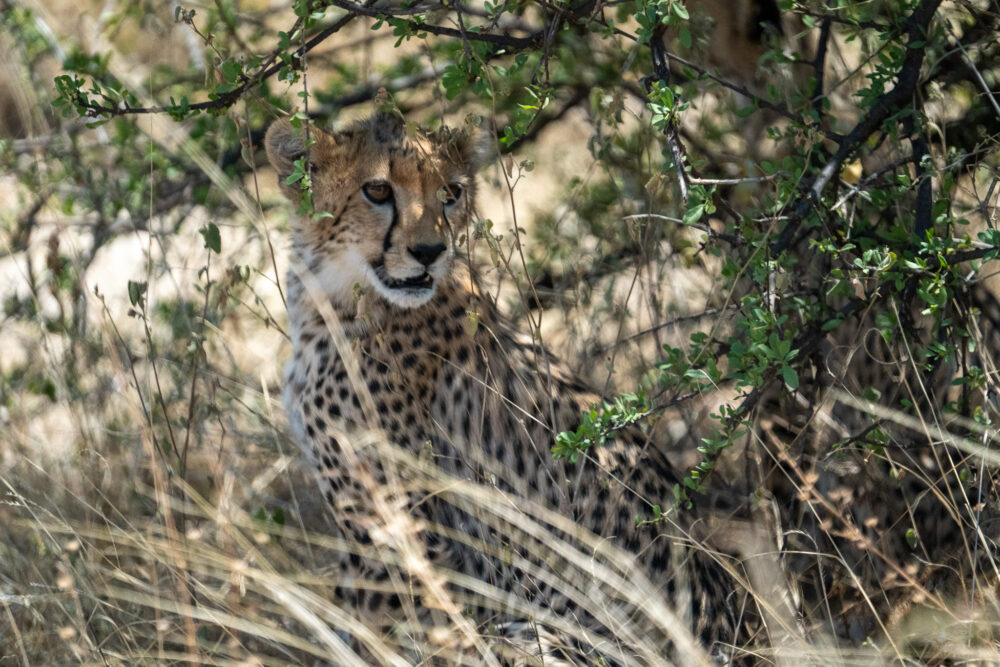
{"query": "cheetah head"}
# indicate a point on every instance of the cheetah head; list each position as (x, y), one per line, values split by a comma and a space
(386, 205)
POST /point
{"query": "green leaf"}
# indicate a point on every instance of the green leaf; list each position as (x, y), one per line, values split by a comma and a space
(685, 36)
(790, 377)
(213, 241)
(453, 80)
(231, 71)
(136, 290)
(694, 213)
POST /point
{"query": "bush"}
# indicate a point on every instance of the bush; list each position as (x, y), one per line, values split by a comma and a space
(774, 224)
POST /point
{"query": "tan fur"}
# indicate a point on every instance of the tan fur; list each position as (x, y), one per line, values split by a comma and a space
(484, 403)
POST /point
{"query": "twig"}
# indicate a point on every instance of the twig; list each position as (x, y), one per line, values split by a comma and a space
(540, 122)
(819, 67)
(508, 42)
(975, 71)
(909, 74)
(925, 203)
(978, 513)
(868, 25)
(734, 181)
(194, 370)
(728, 238)
(661, 73)
(780, 109)
(224, 100)
(708, 312)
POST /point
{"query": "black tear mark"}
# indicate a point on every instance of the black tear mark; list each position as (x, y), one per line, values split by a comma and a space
(387, 241)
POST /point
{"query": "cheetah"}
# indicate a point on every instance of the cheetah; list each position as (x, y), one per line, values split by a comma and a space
(389, 331)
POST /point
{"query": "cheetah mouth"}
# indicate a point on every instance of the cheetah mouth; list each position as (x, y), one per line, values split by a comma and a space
(422, 282)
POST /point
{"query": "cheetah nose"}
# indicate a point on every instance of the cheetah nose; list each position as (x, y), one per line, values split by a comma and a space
(426, 253)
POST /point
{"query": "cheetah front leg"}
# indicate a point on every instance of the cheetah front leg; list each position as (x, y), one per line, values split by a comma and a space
(393, 571)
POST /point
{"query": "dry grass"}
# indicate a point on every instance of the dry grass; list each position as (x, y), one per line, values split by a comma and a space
(154, 510)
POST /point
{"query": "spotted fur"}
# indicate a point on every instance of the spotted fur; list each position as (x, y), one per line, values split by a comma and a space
(447, 379)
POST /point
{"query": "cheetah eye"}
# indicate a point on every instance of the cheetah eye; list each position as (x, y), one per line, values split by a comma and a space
(449, 194)
(377, 192)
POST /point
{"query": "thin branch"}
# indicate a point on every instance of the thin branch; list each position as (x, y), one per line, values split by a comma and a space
(519, 43)
(709, 312)
(920, 152)
(819, 67)
(540, 122)
(712, 234)
(736, 181)
(661, 73)
(867, 25)
(975, 70)
(780, 109)
(227, 99)
(508, 42)
(909, 75)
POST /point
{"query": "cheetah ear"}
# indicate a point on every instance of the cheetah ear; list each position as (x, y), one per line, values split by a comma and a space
(386, 126)
(476, 147)
(286, 143)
